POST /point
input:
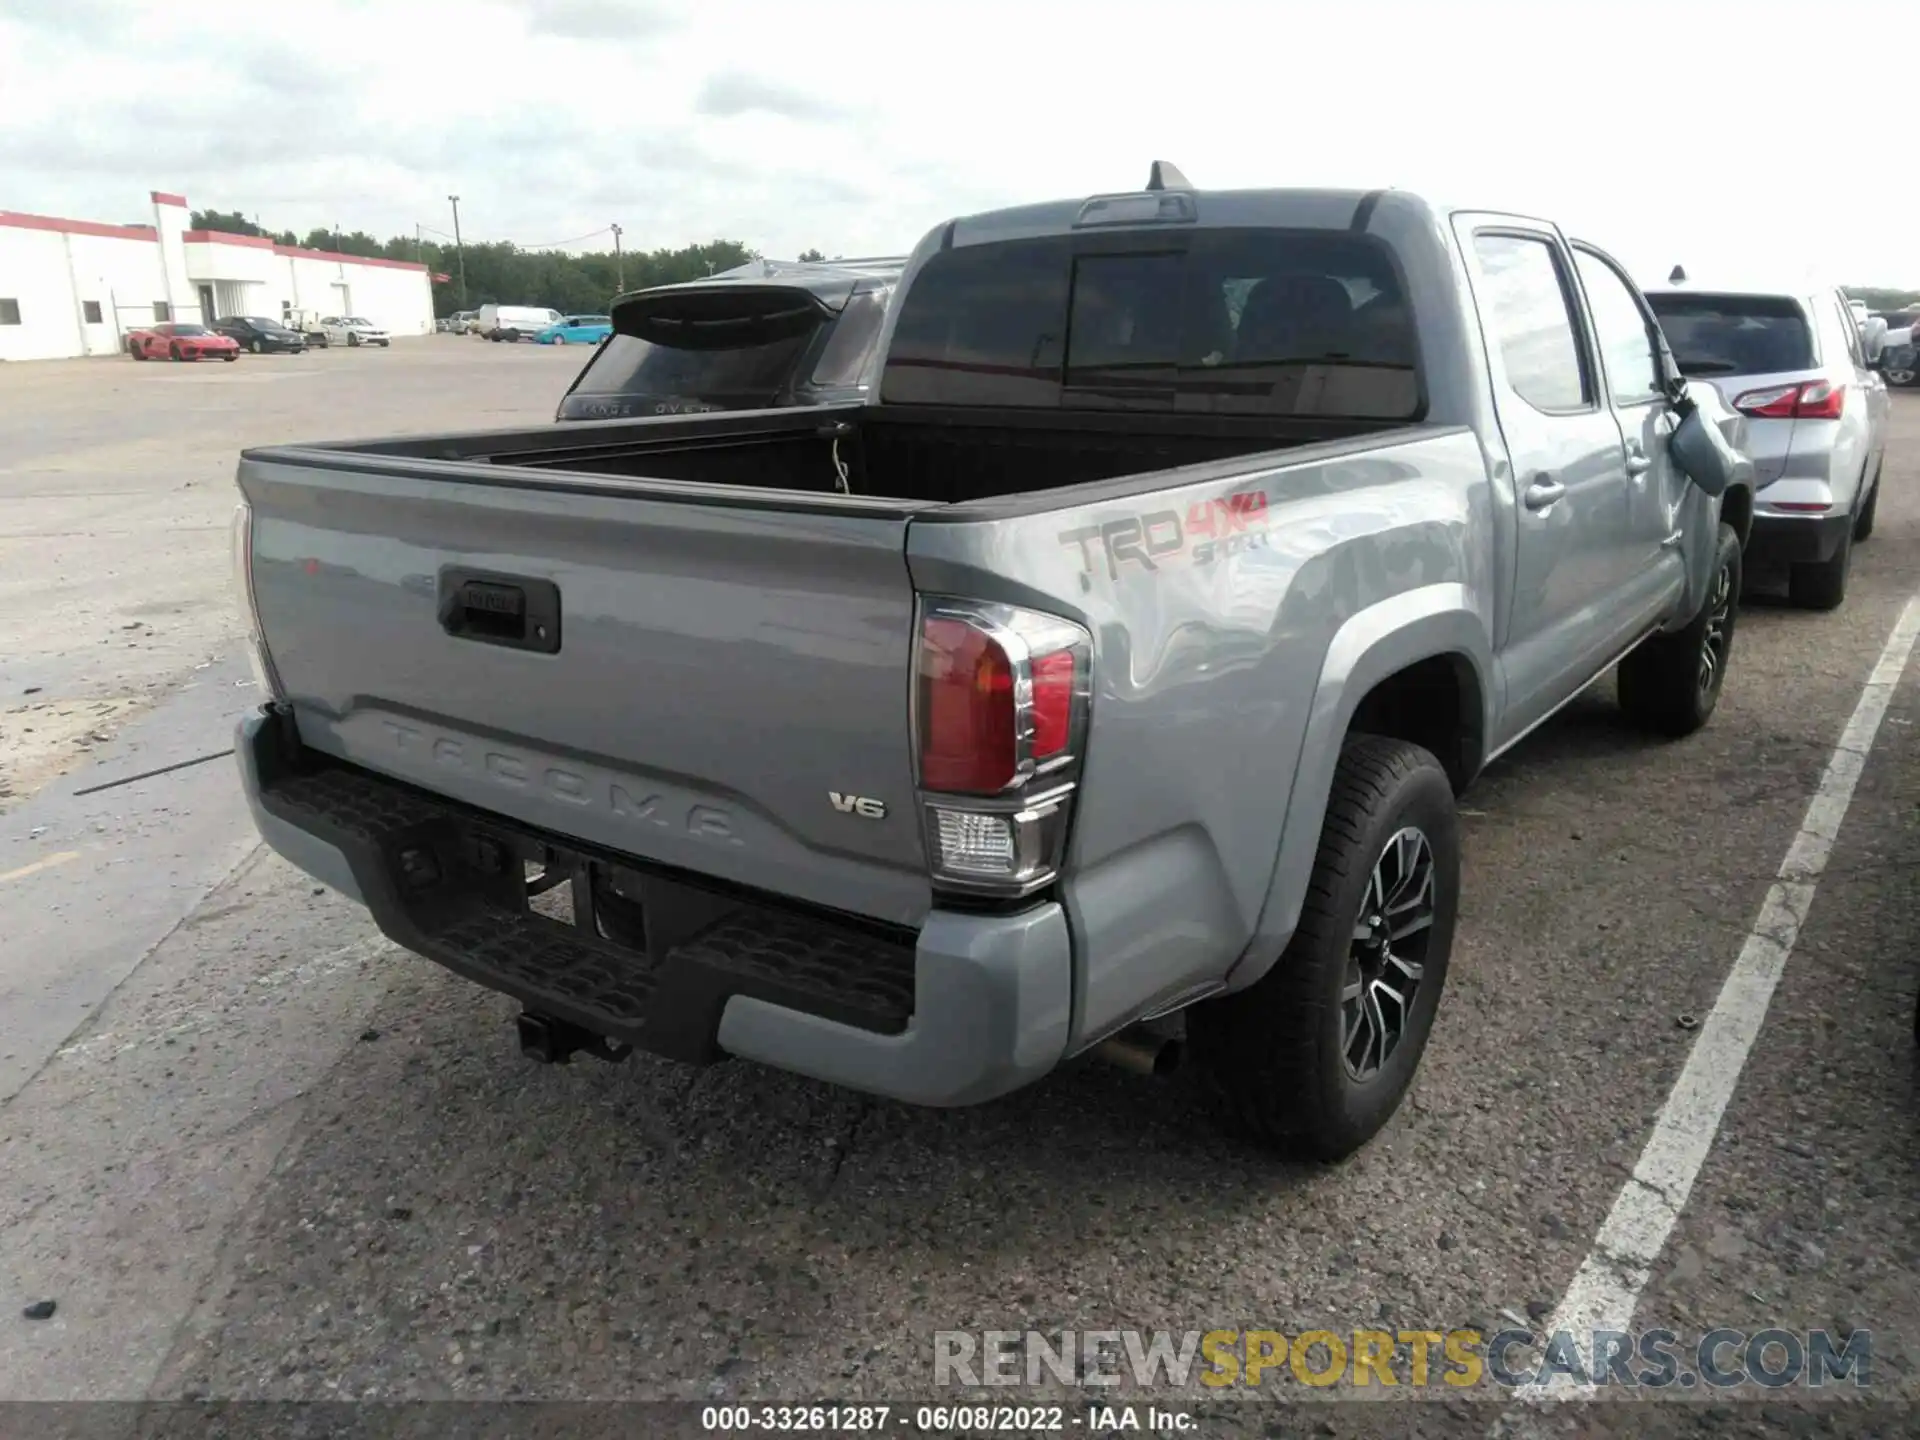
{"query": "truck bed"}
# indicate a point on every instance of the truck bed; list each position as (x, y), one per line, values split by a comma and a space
(901, 454)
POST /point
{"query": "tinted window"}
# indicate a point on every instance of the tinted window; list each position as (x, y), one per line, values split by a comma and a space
(1527, 312)
(186, 329)
(1253, 322)
(850, 344)
(1626, 338)
(1734, 334)
(743, 375)
(984, 325)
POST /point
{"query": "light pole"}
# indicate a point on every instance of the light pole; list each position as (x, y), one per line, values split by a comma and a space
(619, 264)
(460, 250)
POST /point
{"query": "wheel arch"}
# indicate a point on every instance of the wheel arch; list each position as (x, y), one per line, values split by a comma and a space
(1417, 666)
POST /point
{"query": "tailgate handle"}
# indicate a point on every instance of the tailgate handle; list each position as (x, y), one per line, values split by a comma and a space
(509, 610)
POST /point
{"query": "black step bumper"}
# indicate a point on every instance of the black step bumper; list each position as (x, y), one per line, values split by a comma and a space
(969, 1007)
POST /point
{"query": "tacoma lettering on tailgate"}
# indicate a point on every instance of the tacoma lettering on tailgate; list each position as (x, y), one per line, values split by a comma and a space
(630, 800)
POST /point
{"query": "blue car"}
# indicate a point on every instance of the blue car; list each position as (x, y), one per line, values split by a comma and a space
(577, 330)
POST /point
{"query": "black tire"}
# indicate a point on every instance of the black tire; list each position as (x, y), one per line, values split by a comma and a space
(1273, 1058)
(173, 353)
(1671, 683)
(254, 345)
(231, 356)
(353, 341)
(135, 349)
(1822, 586)
(1863, 522)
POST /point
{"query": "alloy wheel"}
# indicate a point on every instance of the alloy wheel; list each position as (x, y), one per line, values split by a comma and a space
(1713, 645)
(1387, 958)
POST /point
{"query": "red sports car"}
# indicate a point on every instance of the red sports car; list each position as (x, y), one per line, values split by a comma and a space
(181, 342)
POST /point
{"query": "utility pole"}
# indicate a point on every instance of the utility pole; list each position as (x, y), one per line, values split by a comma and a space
(461, 249)
(619, 264)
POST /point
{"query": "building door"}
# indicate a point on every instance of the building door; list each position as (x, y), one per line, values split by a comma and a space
(208, 312)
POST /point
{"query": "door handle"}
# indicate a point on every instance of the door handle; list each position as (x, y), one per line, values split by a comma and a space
(1637, 463)
(1543, 493)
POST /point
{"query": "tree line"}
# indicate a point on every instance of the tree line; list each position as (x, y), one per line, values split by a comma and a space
(500, 272)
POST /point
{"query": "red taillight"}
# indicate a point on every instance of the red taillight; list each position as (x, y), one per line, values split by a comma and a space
(1052, 703)
(1002, 697)
(967, 741)
(1820, 401)
(1815, 400)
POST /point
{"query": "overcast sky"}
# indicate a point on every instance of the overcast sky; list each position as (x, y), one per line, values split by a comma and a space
(1741, 136)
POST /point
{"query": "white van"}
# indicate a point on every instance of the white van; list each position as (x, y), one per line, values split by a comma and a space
(510, 322)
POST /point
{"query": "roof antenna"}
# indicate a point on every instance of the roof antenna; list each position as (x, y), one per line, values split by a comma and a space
(1166, 176)
(1679, 275)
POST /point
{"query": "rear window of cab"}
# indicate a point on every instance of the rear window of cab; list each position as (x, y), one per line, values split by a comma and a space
(1251, 322)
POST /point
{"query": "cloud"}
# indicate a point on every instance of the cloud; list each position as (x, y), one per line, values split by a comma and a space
(623, 20)
(733, 92)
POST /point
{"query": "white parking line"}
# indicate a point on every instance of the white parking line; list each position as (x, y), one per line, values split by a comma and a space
(1606, 1289)
(59, 857)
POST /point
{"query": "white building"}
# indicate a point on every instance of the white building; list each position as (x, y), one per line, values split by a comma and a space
(74, 287)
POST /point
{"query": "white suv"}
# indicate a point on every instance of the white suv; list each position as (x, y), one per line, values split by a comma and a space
(352, 330)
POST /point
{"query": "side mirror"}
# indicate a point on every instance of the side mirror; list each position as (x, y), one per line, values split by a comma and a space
(1709, 442)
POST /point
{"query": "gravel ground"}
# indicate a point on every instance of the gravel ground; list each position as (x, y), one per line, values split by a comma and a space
(287, 1161)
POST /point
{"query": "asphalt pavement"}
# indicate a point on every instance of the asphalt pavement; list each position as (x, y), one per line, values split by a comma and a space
(254, 1152)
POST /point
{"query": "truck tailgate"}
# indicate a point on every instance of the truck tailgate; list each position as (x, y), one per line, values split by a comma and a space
(715, 675)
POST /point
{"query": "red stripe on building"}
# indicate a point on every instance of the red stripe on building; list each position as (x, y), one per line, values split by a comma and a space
(19, 221)
(300, 254)
(222, 237)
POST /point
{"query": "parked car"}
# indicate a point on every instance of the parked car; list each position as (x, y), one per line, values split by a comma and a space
(576, 330)
(353, 330)
(512, 322)
(1795, 363)
(795, 333)
(260, 334)
(1897, 360)
(1118, 660)
(180, 340)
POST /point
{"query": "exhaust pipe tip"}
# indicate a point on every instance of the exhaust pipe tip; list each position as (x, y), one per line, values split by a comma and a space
(1142, 1052)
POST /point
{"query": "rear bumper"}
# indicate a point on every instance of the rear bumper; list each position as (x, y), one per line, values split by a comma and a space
(1797, 539)
(970, 1007)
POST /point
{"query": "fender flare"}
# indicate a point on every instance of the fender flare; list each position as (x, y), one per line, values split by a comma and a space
(1426, 623)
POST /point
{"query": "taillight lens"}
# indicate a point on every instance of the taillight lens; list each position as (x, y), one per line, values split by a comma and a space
(1002, 697)
(1814, 400)
(967, 742)
(1820, 401)
(258, 660)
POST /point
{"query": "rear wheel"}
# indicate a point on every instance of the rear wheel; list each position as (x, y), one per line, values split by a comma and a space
(1316, 1055)
(559, 339)
(353, 341)
(1671, 683)
(1903, 376)
(254, 345)
(1822, 586)
(136, 349)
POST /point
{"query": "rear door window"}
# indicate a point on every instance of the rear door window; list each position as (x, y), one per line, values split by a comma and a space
(1529, 312)
(1237, 321)
(1734, 334)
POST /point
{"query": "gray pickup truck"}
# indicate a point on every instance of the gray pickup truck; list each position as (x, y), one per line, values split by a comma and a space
(1110, 674)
